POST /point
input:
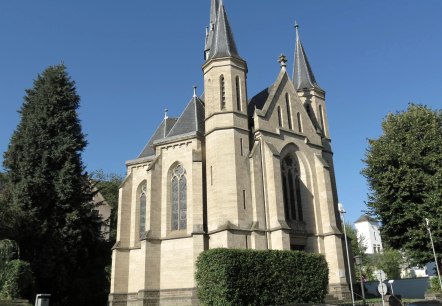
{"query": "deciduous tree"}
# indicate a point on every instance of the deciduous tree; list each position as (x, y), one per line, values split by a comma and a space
(403, 168)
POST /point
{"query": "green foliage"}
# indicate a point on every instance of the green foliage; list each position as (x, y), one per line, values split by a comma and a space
(249, 277)
(16, 280)
(357, 241)
(8, 249)
(50, 194)
(11, 216)
(390, 261)
(108, 185)
(404, 173)
(435, 285)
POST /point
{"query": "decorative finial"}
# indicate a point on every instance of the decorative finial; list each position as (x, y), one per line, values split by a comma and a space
(282, 60)
(194, 91)
(165, 114)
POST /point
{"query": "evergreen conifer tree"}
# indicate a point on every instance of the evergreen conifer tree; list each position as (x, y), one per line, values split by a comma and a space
(59, 232)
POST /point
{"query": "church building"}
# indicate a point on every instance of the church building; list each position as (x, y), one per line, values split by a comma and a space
(229, 172)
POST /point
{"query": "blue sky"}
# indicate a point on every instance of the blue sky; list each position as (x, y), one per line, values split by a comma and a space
(132, 59)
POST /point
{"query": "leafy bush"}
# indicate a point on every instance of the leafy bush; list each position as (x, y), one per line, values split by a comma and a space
(250, 277)
(435, 285)
(16, 280)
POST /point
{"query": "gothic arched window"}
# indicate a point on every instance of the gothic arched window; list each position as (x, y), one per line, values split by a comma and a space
(292, 189)
(143, 210)
(179, 198)
(222, 92)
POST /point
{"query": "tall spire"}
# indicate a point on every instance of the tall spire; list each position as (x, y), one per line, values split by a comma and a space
(223, 43)
(303, 76)
(214, 5)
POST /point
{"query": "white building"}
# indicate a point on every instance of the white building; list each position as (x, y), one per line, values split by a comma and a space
(368, 229)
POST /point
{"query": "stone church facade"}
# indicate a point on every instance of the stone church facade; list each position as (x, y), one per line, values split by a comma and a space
(232, 173)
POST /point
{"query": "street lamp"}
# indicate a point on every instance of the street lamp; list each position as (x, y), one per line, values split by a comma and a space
(342, 212)
(358, 261)
(434, 252)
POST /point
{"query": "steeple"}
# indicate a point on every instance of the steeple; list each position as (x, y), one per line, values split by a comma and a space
(303, 77)
(214, 5)
(223, 43)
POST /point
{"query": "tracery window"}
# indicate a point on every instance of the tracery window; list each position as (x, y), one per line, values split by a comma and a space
(143, 210)
(179, 198)
(292, 189)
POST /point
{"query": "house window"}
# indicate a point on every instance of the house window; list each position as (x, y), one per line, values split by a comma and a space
(279, 117)
(292, 189)
(289, 111)
(238, 94)
(179, 199)
(222, 92)
(142, 210)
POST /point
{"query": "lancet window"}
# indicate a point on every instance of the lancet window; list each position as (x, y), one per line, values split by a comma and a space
(238, 94)
(321, 116)
(279, 116)
(289, 111)
(179, 198)
(143, 198)
(222, 87)
(298, 117)
(292, 189)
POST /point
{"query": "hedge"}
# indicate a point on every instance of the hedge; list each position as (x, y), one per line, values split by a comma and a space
(16, 280)
(250, 277)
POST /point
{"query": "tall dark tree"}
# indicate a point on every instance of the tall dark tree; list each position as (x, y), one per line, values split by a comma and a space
(404, 173)
(59, 233)
(108, 184)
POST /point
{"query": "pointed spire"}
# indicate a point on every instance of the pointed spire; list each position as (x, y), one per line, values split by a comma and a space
(303, 76)
(223, 43)
(194, 91)
(214, 5)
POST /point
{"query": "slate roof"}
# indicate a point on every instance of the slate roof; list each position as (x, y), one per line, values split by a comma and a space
(365, 218)
(223, 43)
(161, 132)
(258, 101)
(303, 77)
(214, 6)
(191, 120)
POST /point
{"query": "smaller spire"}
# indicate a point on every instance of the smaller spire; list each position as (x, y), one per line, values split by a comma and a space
(223, 43)
(282, 60)
(194, 91)
(303, 76)
(165, 114)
